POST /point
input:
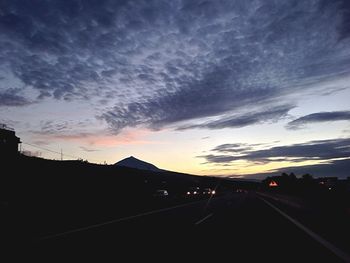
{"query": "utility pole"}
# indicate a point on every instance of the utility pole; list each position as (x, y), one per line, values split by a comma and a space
(61, 155)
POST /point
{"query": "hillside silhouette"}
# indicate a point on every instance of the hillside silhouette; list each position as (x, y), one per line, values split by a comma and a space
(54, 195)
(133, 162)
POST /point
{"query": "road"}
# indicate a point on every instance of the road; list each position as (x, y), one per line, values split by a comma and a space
(239, 227)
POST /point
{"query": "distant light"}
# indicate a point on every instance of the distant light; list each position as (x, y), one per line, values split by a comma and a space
(195, 192)
(213, 192)
(273, 184)
(188, 193)
(329, 188)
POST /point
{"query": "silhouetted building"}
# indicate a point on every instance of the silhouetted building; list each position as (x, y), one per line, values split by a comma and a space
(8, 142)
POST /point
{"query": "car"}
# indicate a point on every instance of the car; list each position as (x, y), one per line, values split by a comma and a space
(208, 191)
(161, 193)
(194, 191)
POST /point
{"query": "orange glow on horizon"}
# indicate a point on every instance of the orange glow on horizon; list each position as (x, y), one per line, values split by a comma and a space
(273, 184)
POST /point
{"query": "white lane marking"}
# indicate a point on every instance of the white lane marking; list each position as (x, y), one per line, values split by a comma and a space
(203, 219)
(316, 237)
(116, 221)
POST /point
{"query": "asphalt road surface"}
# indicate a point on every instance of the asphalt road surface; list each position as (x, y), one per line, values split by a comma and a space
(239, 227)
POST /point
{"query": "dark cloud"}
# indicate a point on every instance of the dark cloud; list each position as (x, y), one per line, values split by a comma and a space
(216, 158)
(235, 147)
(335, 168)
(88, 149)
(338, 168)
(314, 150)
(319, 117)
(11, 97)
(163, 62)
(69, 128)
(54, 127)
(269, 115)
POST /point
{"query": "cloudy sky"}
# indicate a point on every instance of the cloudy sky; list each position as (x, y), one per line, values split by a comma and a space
(210, 87)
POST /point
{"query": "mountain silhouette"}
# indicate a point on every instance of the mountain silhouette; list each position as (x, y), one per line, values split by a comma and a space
(133, 162)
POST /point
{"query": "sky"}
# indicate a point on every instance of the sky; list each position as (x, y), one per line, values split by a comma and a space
(219, 87)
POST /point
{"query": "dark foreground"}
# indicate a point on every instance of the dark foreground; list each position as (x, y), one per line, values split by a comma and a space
(73, 211)
(237, 227)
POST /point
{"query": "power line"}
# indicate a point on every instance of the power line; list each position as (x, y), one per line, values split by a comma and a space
(52, 151)
(41, 148)
(61, 154)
